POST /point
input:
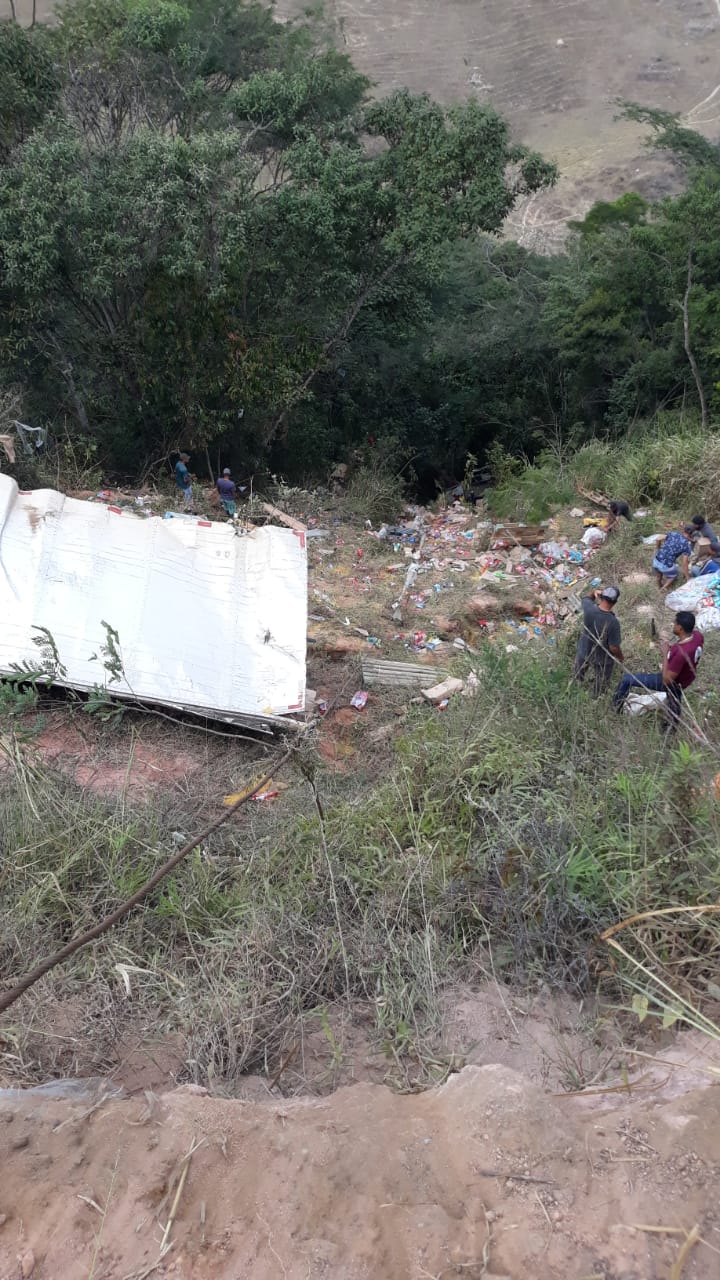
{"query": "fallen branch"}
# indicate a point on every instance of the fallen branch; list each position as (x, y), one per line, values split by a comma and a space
(710, 908)
(126, 907)
(291, 523)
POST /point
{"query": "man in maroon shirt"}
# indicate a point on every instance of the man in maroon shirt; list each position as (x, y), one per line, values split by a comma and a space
(679, 668)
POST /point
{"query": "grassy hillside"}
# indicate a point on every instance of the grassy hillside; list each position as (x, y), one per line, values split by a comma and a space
(501, 837)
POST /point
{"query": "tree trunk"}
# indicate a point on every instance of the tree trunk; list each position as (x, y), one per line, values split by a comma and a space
(66, 369)
(688, 346)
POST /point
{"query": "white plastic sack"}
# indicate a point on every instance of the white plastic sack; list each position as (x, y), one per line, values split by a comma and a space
(689, 595)
(708, 619)
(206, 619)
(638, 704)
(593, 537)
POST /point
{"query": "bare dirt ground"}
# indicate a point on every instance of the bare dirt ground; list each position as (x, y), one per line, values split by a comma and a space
(486, 1176)
(556, 69)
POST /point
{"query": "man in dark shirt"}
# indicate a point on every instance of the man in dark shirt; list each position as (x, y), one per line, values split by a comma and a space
(679, 668)
(618, 508)
(599, 643)
(226, 489)
(706, 530)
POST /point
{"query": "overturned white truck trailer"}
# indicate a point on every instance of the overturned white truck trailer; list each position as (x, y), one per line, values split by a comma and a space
(210, 620)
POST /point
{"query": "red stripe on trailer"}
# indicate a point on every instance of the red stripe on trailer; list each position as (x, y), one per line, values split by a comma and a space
(301, 536)
(116, 510)
(205, 524)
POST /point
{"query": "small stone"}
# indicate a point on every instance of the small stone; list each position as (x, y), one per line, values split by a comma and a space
(559, 44)
(27, 1264)
(17, 1144)
(3, 1219)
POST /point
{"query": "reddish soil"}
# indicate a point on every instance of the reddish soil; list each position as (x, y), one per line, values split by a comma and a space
(108, 767)
(486, 1176)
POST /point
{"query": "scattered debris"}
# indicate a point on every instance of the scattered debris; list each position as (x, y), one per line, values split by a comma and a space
(359, 700)
(472, 684)
(440, 692)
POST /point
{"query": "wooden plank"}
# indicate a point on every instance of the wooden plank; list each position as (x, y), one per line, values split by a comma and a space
(596, 498)
(522, 535)
(277, 514)
(378, 671)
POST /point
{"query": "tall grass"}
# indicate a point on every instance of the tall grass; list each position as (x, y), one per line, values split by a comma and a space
(669, 461)
(508, 833)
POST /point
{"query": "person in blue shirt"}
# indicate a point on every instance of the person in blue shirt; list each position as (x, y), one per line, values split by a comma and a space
(182, 480)
(226, 489)
(676, 546)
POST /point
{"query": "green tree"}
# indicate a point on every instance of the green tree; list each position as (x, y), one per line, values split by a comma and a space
(202, 232)
(29, 84)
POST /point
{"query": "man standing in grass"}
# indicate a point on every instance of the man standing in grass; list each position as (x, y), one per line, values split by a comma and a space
(675, 546)
(182, 480)
(598, 647)
(226, 489)
(679, 668)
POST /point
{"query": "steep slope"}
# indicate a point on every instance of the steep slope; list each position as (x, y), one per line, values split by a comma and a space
(556, 71)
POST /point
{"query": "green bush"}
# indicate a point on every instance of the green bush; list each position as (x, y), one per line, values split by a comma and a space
(532, 495)
(673, 461)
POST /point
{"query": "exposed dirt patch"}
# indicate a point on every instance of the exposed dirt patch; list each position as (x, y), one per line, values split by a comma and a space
(557, 72)
(140, 756)
(487, 1175)
(112, 763)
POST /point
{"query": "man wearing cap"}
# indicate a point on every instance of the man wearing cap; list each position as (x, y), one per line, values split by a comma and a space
(227, 491)
(183, 481)
(599, 644)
